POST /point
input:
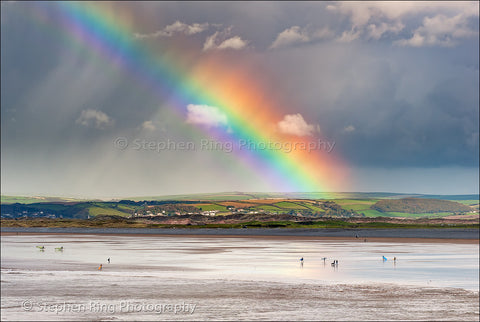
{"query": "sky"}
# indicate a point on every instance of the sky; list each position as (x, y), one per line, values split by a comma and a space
(111, 100)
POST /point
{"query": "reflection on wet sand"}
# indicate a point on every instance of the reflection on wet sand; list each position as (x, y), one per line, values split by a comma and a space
(242, 278)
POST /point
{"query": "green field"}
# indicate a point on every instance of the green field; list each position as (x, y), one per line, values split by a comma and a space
(356, 203)
(408, 215)
(468, 202)
(372, 213)
(211, 206)
(267, 208)
(125, 208)
(29, 200)
(290, 205)
(96, 211)
(314, 208)
(360, 206)
(363, 206)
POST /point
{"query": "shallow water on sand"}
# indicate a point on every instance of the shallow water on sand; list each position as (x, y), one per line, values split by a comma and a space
(235, 278)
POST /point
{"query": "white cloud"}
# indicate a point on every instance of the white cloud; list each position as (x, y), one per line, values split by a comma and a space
(295, 35)
(376, 31)
(206, 115)
(439, 30)
(210, 42)
(94, 118)
(417, 40)
(296, 125)
(176, 27)
(233, 43)
(349, 129)
(221, 40)
(359, 14)
(290, 36)
(148, 125)
(443, 22)
(349, 36)
(362, 12)
(322, 33)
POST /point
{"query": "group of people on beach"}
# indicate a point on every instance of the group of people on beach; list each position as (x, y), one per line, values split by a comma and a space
(385, 259)
(101, 265)
(335, 262)
(57, 249)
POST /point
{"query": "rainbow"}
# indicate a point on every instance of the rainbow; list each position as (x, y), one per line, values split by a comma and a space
(208, 79)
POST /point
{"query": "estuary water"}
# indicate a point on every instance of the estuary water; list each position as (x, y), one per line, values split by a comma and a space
(231, 278)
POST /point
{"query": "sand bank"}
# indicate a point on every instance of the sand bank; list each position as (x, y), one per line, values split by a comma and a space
(445, 235)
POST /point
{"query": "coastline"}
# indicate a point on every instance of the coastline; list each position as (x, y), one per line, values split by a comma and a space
(246, 277)
(444, 235)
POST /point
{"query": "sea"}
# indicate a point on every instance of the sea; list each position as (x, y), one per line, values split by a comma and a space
(152, 277)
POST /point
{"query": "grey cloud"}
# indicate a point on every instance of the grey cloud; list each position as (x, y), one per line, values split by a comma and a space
(442, 22)
(440, 30)
(376, 31)
(176, 27)
(290, 36)
(406, 109)
(94, 118)
(149, 126)
(295, 35)
(223, 40)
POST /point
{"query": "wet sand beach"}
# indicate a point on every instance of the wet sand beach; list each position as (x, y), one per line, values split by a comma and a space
(160, 277)
(348, 239)
(416, 235)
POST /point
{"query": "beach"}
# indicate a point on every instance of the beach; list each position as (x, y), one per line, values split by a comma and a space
(467, 235)
(198, 277)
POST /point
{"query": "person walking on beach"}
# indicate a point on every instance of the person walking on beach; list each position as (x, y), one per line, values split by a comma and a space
(100, 267)
(335, 265)
(108, 260)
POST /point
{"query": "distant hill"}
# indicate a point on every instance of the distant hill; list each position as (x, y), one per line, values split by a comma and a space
(304, 195)
(39, 199)
(247, 196)
(225, 204)
(450, 197)
(419, 206)
(167, 208)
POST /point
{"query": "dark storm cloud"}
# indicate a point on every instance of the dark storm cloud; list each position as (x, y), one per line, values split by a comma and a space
(440, 130)
(404, 107)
